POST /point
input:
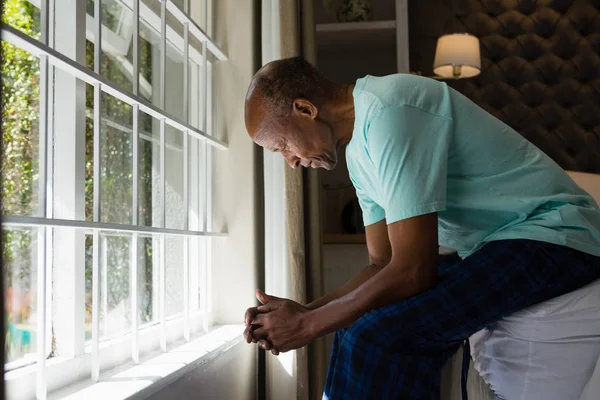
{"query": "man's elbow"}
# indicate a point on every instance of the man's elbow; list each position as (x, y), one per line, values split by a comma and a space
(381, 258)
(420, 277)
(379, 261)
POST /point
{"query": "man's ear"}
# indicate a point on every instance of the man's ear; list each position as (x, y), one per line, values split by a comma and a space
(305, 108)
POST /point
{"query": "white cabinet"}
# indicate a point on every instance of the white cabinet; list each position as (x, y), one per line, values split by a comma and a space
(341, 262)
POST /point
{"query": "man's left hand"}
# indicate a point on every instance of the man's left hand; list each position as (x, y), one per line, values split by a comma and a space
(282, 323)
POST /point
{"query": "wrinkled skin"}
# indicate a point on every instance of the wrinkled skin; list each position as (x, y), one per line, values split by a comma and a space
(278, 325)
(303, 139)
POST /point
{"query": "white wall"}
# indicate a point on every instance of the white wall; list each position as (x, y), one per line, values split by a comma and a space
(234, 203)
(234, 267)
(217, 379)
(588, 182)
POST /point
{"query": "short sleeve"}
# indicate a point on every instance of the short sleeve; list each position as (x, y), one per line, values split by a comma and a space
(409, 150)
(371, 211)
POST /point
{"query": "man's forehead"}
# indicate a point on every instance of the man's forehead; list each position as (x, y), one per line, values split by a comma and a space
(270, 139)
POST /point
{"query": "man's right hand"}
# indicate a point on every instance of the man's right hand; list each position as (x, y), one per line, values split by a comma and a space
(248, 317)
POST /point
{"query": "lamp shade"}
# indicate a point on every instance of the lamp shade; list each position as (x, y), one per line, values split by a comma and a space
(457, 56)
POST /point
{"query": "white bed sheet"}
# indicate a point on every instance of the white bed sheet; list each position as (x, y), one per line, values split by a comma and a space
(550, 351)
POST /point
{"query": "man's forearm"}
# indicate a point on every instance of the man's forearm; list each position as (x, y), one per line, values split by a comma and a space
(390, 285)
(364, 275)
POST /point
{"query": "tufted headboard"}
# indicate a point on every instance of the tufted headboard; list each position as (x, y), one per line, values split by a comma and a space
(540, 67)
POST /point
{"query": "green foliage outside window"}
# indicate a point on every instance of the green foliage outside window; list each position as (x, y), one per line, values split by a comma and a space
(19, 171)
(20, 109)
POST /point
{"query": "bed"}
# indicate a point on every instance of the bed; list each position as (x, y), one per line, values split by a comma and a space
(477, 388)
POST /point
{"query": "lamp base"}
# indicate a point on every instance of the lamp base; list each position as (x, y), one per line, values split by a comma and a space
(456, 70)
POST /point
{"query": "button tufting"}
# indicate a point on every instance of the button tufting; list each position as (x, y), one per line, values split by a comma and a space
(561, 6)
(531, 46)
(526, 7)
(540, 69)
(511, 24)
(493, 7)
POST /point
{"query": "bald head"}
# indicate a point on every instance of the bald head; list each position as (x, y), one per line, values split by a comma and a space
(290, 107)
(275, 86)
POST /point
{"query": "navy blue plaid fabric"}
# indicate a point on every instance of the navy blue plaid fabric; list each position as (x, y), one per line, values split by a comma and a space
(398, 351)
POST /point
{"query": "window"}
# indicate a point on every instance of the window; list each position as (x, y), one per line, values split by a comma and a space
(106, 180)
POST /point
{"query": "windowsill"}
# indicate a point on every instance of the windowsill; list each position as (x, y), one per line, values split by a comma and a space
(156, 370)
(62, 372)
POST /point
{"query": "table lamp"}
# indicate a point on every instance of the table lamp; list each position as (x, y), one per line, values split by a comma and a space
(457, 56)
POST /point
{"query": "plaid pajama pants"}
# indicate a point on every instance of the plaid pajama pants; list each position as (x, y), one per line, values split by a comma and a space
(398, 351)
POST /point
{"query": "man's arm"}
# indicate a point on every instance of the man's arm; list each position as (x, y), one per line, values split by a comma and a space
(283, 325)
(380, 253)
(411, 270)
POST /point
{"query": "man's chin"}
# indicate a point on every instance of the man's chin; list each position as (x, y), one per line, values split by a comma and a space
(328, 166)
(325, 163)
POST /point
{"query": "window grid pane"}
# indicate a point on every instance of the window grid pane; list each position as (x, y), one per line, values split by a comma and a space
(115, 318)
(111, 141)
(23, 15)
(20, 131)
(19, 255)
(174, 276)
(174, 176)
(116, 161)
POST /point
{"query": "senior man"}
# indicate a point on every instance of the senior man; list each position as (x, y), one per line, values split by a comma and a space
(430, 169)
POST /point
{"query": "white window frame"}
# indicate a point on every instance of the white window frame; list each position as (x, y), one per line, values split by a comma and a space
(80, 360)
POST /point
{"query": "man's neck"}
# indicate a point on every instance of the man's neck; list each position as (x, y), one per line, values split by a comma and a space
(340, 115)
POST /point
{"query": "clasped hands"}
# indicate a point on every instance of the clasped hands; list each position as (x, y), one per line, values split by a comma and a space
(278, 325)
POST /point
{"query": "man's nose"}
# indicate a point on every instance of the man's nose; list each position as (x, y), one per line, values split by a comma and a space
(293, 161)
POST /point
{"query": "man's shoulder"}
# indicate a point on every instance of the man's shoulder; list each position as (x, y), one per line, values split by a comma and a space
(375, 93)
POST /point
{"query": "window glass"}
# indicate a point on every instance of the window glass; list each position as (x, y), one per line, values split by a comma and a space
(147, 281)
(180, 3)
(149, 187)
(150, 51)
(69, 246)
(19, 174)
(19, 258)
(89, 269)
(174, 275)
(196, 82)
(115, 289)
(117, 41)
(22, 15)
(116, 161)
(20, 131)
(174, 82)
(175, 205)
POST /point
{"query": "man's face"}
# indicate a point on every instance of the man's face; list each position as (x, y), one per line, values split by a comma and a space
(301, 140)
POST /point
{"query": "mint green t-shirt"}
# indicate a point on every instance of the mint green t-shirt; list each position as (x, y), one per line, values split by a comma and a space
(420, 147)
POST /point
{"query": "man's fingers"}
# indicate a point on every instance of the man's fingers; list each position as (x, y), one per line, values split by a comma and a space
(267, 307)
(262, 297)
(265, 298)
(260, 319)
(265, 344)
(250, 313)
(248, 334)
(275, 351)
(260, 334)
